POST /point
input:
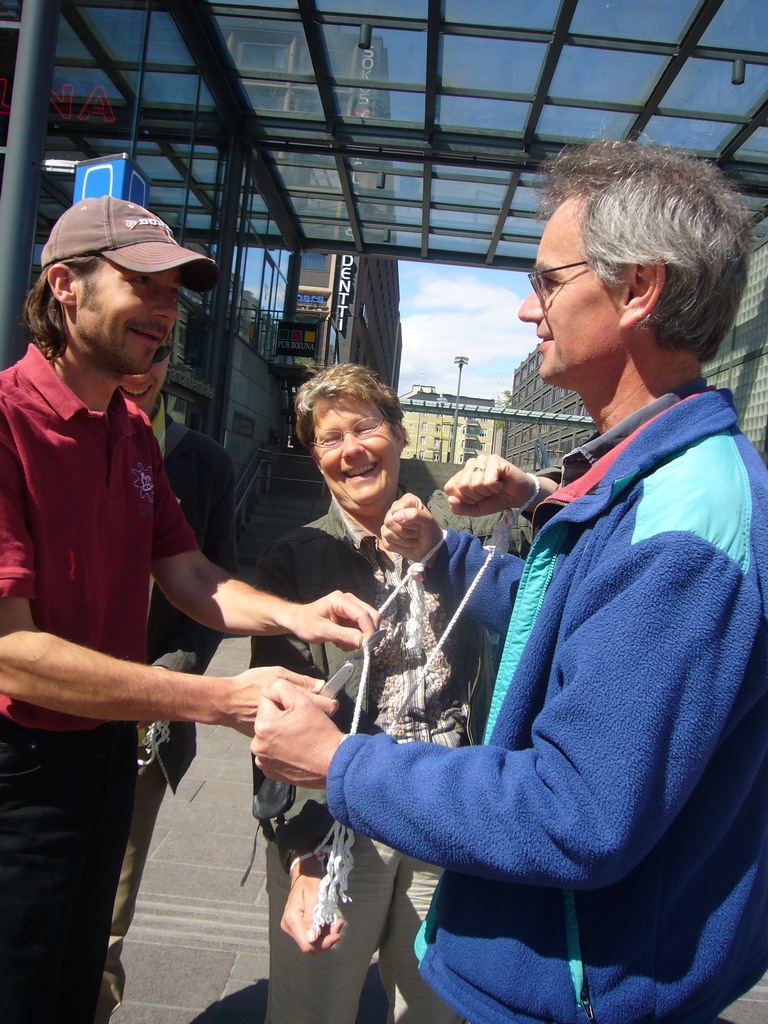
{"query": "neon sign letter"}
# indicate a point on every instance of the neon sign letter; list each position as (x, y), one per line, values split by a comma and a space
(97, 104)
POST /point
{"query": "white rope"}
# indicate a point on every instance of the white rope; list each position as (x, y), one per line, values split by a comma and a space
(157, 733)
(534, 498)
(498, 545)
(337, 845)
(363, 686)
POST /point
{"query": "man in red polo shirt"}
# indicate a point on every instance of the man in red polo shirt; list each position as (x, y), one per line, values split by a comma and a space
(86, 513)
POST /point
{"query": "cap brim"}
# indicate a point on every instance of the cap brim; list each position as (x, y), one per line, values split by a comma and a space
(197, 272)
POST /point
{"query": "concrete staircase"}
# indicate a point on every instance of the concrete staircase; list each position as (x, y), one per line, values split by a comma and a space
(273, 516)
(290, 494)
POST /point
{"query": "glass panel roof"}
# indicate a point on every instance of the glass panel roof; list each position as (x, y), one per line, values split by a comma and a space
(575, 124)
(705, 86)
(119, 32)
(502, 66)
(615, 76)
(474, 112)
(502, 13)
(364, 8)
(282, 97)
(68, 45)
(703, 137)
(376, 212)
(756, 147)
(393, 57)
(739, 25)
(649, 21)
(421, 139)
(166, 47)
(482, 224)
(468, 193)
(170, 89)
(455, 112)
(380, 105)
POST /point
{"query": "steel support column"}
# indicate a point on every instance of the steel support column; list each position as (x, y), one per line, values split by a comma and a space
(225, 310)
(27, 130)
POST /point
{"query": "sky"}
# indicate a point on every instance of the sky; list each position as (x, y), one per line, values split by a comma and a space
(461, 311)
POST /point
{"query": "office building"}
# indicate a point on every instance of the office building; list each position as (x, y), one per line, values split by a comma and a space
(538, 445)
(430, 431)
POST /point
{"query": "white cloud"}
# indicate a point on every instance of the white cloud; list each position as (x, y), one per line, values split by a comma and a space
(452, 311)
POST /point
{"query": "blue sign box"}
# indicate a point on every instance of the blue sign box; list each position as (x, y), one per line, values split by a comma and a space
(116, 176)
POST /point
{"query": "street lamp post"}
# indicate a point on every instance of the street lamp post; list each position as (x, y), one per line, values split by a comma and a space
(461, 361)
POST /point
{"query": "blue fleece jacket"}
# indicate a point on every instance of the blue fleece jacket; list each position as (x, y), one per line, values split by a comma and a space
(607, 848)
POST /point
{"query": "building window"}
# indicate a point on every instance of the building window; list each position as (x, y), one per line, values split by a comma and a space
(313, 261)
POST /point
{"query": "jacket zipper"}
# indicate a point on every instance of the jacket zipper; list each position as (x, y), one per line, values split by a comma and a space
(584, 1000)
(575, 960)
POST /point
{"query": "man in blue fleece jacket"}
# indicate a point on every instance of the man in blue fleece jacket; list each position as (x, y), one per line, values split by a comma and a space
(606, 849)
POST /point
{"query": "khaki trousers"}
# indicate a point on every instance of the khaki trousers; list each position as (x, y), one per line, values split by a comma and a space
(150, 789)
(391, 893)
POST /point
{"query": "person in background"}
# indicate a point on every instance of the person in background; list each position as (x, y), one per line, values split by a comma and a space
(352, 424)
(606, 848)
(86, 514)
(201, 474)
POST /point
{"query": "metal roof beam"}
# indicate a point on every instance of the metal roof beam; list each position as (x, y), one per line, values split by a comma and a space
(701, 22)
(317, 55)
(198, 28)
(501, 220)
(349, 201)
(554, 50)
(495, 412)
(744, 133)
(432, 78)
(426, 205)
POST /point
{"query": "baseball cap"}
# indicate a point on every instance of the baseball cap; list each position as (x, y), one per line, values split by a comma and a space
(130, 236)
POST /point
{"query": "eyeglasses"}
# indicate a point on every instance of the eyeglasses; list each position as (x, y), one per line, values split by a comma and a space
(162, 353)
(363, 428)
(544, 288)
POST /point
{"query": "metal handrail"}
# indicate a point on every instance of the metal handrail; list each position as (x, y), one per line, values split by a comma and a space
(248, 477)
(254, 472)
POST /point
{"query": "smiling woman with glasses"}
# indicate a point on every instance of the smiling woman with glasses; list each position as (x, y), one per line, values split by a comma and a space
(352, 424)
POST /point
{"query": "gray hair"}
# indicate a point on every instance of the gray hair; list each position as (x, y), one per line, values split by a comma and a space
(643, 204)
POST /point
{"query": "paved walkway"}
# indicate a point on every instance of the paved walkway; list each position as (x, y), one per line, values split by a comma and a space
(197, 952)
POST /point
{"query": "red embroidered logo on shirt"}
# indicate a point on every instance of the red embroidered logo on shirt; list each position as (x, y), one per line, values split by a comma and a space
(142, 481)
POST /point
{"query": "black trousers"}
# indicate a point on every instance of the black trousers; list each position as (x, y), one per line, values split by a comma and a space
(65, 811)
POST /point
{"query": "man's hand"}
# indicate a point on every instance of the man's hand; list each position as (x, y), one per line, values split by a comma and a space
(342, 619)
(409, 529)
(207, 594)
(294, 739)
(489, 484)
(301, 902)
(247, 690)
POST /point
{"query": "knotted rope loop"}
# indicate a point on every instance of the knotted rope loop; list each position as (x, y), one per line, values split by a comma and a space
(337, 845)
(157, 733)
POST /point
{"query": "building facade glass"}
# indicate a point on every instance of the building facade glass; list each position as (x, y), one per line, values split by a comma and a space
(128, 79)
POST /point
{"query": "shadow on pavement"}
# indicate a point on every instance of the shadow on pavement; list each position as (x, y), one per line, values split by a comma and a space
(251, 1004)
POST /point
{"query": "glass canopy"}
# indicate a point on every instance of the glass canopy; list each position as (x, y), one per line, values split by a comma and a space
(414, 129)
